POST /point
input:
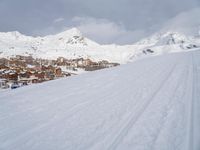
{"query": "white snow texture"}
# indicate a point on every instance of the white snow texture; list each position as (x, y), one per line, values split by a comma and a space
(151, 104)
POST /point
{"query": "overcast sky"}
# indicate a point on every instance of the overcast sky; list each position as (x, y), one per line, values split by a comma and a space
(105, 21)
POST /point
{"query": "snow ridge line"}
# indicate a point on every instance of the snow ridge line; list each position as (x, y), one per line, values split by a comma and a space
(191, 143)
(192, 104)
(133, 119)
(186, 75)
(161, 73)
(196, 104)
(75, 109)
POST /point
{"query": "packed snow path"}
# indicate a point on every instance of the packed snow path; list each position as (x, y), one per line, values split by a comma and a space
(151, 104)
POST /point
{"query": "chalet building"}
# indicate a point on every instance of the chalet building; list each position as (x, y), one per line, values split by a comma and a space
(74, 63)
(16, 69)
(87, 62)
(25, 74)
(2, 72)
(112, 65)
(68, 62)
(44, 68)
(50, 68)
(49, 75)
(61, 61)
(107, 64)
(29, 59)
(69, 68)
(40, 76)
(83, 62)
(3, 84)
(93, 68)
(103, 62)
(31, 80)
(17, 62)
(3, 67)
(58, 72)
(24, 59)
(13, 76)
(50, 62)
(19, 57)
(79, 62)
(37, 68)
(4, 61)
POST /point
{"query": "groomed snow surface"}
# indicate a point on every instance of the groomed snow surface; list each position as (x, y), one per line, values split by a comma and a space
(151, 104)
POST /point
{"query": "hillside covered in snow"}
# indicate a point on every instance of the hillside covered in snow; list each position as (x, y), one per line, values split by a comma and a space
(151, 104)
(70, 44)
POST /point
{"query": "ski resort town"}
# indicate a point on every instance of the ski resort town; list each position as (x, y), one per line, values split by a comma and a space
(20, 70)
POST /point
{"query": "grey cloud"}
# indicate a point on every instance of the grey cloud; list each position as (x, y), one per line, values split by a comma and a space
(106, 31)
(133, 19)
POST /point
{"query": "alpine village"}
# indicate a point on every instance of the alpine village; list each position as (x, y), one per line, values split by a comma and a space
(18, 71)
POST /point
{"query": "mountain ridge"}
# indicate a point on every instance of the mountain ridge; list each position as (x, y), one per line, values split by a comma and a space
(72, 44)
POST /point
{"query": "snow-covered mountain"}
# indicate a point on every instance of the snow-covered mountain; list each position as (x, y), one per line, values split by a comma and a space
(72, 44)
(164, 42)
(69, 44)
(173, 37)
(178, 34)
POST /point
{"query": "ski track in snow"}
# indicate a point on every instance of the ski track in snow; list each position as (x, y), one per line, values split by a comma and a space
(151, 104)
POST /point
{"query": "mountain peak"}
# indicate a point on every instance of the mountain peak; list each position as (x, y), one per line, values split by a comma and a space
(74, 30)
(13, 35)
(70, 33)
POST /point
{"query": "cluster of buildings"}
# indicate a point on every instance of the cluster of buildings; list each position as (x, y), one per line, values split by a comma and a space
(15, 76)
(24, 70)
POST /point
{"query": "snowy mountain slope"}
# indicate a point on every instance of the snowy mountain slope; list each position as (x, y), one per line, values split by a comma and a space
(69, 44)
(167, 42)
(179, 34)
(72, 44)
(151, 104)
